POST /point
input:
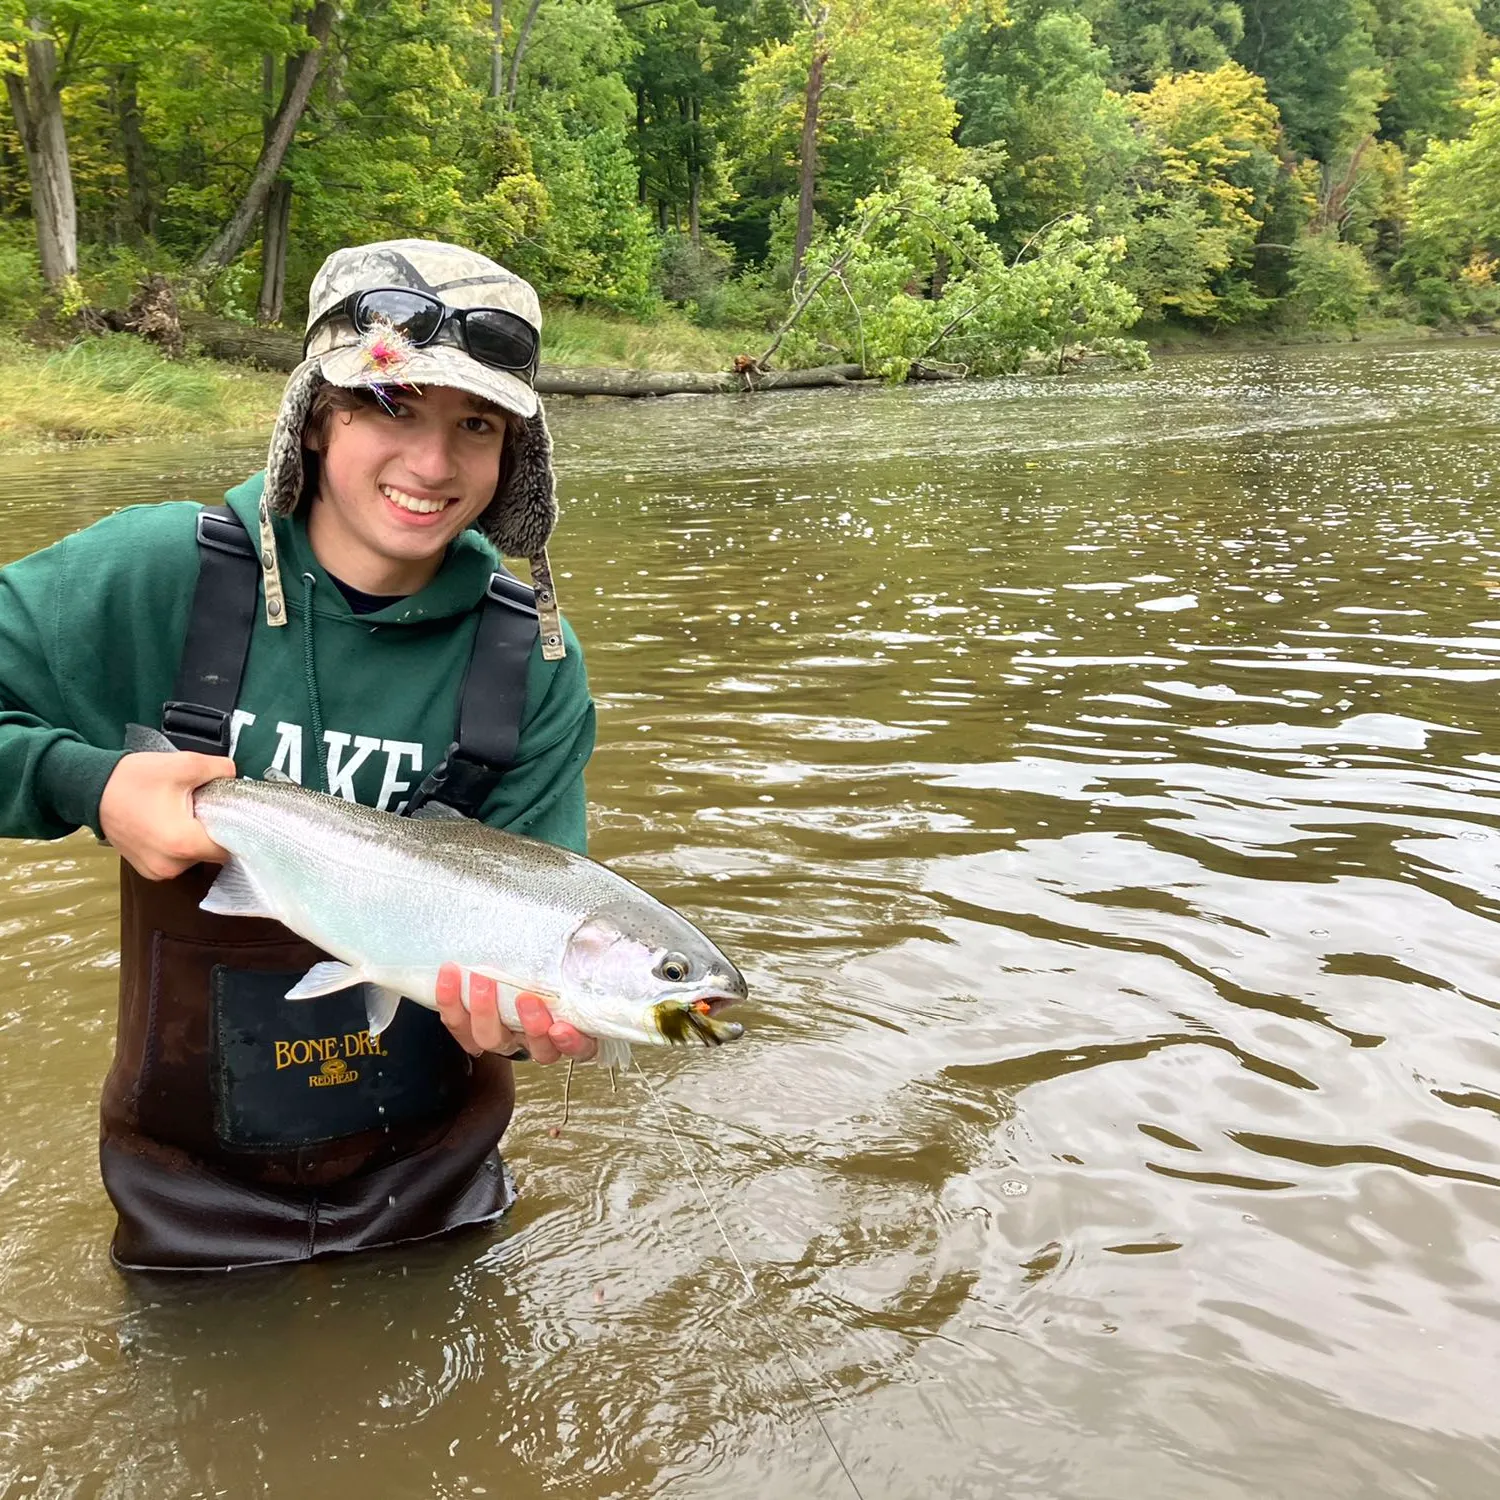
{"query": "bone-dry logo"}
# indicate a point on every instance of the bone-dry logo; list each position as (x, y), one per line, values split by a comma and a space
(329, 1053)
(334, 1071)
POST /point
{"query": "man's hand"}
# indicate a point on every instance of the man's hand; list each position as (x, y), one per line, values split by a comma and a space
(146, 811)
(480, 1029)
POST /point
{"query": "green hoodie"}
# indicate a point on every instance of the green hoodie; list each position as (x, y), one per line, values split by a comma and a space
(92, 631)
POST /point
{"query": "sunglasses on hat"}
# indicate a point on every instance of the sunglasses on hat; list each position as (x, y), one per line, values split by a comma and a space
(497, 338)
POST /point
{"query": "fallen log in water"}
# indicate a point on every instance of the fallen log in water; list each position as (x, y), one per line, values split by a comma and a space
(559, 380)
(270, 349)
(240, 344)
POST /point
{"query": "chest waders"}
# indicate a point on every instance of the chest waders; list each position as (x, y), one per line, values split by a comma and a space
(238, 1128)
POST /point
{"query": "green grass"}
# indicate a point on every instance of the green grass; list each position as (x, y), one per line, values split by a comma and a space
(117, 386)
(668, 342)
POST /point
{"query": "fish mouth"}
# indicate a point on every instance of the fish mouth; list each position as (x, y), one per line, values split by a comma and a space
(685, 1021)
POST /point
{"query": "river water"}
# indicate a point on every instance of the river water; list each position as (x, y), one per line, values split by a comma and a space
(1097, 780)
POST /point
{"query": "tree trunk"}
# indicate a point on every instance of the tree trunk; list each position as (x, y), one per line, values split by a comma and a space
(809, 152)
(273, 253)
(640, 136)
(523, 36)
(497, 49)
(301, 74)
(36, 99)
(695, 175)
(940, 269)
(133, 151)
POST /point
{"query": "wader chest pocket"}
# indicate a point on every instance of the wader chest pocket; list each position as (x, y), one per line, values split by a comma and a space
(291, 1073)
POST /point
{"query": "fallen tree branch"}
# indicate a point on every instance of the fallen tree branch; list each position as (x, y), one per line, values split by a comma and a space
(271, 349)
(555, 380)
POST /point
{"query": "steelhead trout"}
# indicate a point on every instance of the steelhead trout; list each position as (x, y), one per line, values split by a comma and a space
(393, 898)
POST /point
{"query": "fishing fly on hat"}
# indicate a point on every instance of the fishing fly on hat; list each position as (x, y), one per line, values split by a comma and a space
(418, 313)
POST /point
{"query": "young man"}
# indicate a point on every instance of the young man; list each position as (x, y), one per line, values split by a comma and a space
(342, 622)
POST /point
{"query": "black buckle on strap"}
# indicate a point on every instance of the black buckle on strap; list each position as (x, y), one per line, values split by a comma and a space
(224, 534)
(191, 726)
(505, 588)
(458, 781)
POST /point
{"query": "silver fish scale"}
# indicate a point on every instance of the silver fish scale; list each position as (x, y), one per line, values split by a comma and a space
(400, 895)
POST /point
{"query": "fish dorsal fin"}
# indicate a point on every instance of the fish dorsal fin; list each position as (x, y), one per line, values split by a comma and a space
(440, 810)
(272, 774)
(380, 1007)
(138, 738)
(324, 979)
(235, 894)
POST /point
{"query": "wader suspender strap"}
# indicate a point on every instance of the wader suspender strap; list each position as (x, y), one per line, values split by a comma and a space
(218, 642)
(489, 709)
(218, 637)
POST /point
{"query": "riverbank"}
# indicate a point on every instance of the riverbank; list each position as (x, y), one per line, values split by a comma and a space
(1165, 342)
(116, 387)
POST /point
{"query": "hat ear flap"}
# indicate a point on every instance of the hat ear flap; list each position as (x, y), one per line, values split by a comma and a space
(521, 516)
(284, 459)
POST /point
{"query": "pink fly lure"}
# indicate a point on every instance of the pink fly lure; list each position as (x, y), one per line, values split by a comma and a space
(386, 349)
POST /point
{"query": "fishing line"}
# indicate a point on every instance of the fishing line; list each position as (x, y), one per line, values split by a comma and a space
(739, 1265)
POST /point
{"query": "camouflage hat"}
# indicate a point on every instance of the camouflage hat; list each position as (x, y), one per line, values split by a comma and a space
(520, 518)
(456, 277)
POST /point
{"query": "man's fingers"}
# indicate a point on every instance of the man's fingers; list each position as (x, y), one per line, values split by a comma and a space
(536, 1022)
(478, 1027)
(450, 986)
(450, 1004)
(194, 769)
(571, 1042)
(490, 1032)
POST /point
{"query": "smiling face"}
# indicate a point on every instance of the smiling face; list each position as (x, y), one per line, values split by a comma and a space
(397, 483)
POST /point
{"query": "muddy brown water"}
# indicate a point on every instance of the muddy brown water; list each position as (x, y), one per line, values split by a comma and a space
(1097, 780)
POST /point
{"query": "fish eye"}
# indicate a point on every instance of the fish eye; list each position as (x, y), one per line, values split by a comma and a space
(674, 968)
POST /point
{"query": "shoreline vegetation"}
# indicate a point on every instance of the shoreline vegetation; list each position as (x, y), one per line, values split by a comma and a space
(119, 387)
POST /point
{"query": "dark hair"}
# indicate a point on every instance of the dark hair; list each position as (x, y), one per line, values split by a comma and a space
(336, 398)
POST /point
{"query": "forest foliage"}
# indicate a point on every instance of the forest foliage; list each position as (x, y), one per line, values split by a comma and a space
(948, 183)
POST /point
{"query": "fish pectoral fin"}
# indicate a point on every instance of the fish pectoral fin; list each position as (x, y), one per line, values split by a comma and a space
(235, 894)
(612, 1053)
(380, 1006)
(324, 979)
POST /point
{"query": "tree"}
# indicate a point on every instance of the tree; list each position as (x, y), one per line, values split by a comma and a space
(35, 76)
(683, 74)
(1147, 38)
(1455, 187)
(1331, 283)
(1428, 49)
(862, 300)
(1321, 70)
(301, 73)
(1204, 192)
(1046, 135)
(879, 105)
